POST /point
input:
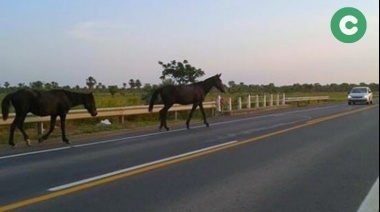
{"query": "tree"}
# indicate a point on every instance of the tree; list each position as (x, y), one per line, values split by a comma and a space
(180, 72)
(54, 85)
(21, 85)
(6, 85)
(48, 86)
(138, 84)
(112, 89)
(36, 85)
(132, 83)
(232, 87)
(90, 82)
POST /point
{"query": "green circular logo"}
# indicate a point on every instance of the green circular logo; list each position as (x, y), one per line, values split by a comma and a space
(348, 25)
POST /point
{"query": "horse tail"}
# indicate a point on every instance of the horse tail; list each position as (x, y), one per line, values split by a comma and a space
(5, 104)
(153, 98)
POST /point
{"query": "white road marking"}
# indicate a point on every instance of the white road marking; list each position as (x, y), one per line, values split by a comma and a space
(34, 153)
(371, 202)
(135, 167)
(126, 138)
(159, 133)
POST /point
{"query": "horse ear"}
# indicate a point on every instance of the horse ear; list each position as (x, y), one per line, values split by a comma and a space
(219, 75)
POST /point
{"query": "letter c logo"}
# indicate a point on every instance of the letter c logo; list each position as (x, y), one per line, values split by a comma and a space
(343, 25)
(348, 25)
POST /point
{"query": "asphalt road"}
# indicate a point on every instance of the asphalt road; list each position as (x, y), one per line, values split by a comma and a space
(310, 159)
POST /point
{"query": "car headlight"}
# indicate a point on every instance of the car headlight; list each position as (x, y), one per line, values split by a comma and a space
(349, 96)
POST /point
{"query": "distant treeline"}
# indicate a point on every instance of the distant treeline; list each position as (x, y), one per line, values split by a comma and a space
(304, 88)
(231, 86)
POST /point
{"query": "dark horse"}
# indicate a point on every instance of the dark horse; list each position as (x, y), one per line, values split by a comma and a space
(185, 94)
(44, 103)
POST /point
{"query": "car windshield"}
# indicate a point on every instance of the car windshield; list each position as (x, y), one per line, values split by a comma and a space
(359, 90)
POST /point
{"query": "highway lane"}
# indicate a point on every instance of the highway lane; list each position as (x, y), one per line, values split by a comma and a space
(27, 176)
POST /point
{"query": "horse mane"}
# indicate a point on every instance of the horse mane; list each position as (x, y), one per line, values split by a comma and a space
(70, 92)
(209, 82)
(76, 97)
(206, 80)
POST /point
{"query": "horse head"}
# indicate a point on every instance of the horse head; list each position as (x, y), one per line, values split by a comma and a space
(89, 104)
(218, 83)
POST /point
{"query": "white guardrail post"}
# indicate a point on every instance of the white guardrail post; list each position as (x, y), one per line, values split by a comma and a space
(229, 104)
(257, 101)
(40, 128)
(219, 104)
(271, 100)
(249, 102)
(265, 101)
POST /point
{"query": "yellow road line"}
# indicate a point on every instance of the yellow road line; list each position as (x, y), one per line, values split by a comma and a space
(171, 162)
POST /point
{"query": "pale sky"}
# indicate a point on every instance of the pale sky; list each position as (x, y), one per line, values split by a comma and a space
(255, 42)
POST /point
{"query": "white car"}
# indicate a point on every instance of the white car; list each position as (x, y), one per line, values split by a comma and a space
(360, 94)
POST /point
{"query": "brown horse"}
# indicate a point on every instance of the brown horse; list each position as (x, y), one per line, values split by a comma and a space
(185, 94)
(44, 103)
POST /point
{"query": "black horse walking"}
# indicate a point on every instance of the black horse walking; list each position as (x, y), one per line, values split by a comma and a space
(44, 103)
(185, 94)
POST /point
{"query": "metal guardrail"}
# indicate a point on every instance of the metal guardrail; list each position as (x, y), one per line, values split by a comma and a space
(263, 101)
(298, 100)
(106, 112)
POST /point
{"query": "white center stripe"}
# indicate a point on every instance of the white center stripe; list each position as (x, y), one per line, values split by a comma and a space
(135, 167)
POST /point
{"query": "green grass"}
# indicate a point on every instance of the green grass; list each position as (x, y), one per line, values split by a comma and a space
(104, 100)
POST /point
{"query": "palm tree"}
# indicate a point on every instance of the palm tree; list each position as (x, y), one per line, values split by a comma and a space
(90, 82)
(132, 83)
(6, 85)
(54, 84)
(138, 84)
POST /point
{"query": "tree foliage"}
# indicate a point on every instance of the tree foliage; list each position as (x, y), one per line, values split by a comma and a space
(91, 82)
(113, 89)
(181, 72)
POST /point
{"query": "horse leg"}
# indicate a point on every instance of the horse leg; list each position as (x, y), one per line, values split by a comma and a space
(53, 118)
(161, 118)
(18, 122)
(63, 129)
(163, 113)
(12, 131)
(203, 114)
(20, 125)
(191, 115)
